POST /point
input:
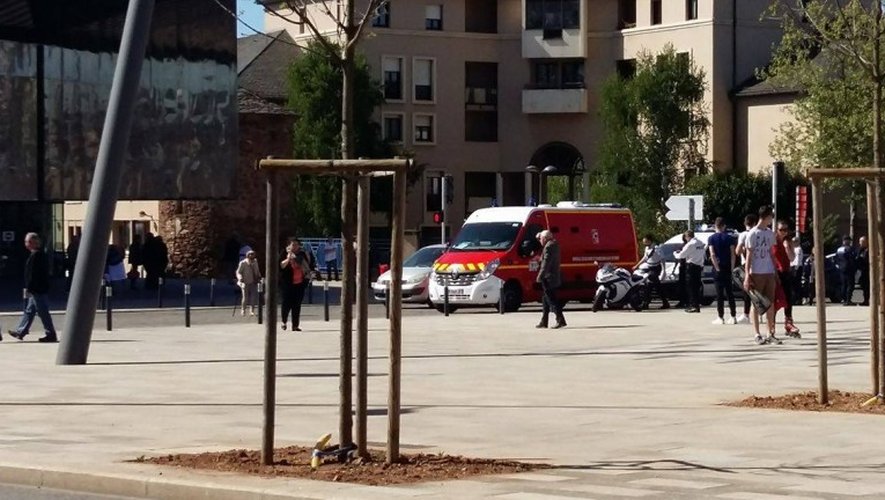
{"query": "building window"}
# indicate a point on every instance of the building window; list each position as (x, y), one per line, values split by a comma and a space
(552, 14)
(626, 14)
(481, 16)
(691, 10)
(657, 13)
(424, 132)
(423, 79)
(393, 128)
(433, 196)
(433, 19)
(393, 78)
(382, 16)
(559, 75)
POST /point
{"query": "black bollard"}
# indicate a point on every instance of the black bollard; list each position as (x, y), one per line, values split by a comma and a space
(108, 293)
(160, 285)
(101, 296)
(187, 305)
(446, 300)
(387, 302)
(310, 292)
(325, 301)
(260, 302)
(501, 299)
(212, 292)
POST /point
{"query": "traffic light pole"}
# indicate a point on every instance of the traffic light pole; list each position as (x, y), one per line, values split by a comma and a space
(442, 202)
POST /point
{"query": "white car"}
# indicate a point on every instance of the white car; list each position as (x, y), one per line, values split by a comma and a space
(416, 275)
(670, 276)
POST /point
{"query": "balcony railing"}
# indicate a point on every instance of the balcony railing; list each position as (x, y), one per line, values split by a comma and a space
(569, 100)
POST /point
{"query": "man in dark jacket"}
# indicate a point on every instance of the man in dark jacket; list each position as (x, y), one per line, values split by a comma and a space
(37, 290)
(550, 279)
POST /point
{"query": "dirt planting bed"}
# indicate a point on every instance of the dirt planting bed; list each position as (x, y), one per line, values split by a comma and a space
(846, 402)
(295, 462)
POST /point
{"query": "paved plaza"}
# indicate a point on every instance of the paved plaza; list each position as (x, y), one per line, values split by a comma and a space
(622, 404)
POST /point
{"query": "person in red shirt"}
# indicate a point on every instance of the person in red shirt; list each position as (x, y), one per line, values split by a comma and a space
(784, 254)
(294, 275)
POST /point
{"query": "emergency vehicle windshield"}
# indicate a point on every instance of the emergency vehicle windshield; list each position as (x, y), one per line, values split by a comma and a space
(486, 236)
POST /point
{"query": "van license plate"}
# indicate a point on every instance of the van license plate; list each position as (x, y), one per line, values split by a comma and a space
(457, 294)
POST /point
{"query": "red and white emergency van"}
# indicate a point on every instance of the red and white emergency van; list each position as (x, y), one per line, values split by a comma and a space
(496, 251)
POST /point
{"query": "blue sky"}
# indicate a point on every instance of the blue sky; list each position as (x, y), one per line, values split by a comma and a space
(252, 14)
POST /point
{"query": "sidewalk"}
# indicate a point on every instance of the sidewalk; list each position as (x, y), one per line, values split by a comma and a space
(623, 404)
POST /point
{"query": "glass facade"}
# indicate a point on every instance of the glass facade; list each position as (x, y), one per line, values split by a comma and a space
(54, 89)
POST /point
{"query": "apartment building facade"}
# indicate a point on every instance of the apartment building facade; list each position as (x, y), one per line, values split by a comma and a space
(481, 89)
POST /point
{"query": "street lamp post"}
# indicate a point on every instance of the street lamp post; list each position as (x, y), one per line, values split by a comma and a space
(534, 172)
(151, 217)
(545, 174)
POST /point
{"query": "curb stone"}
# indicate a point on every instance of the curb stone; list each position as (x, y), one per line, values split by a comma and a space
(175, 484)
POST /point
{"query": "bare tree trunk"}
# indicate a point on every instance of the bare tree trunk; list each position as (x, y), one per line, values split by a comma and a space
(877, 163)
(348, 209)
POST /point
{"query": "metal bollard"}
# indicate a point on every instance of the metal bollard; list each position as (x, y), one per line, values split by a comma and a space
(310, 292)
(501, 300)
(101, 296)
(108, 293)
(212, 292)
(325, 301)
(446, 300)
(260, 302)
(24, 298)
(387, 302)
(187, 305)
(161, 284)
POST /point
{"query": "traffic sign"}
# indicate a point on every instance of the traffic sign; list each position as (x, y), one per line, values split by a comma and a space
(681, 207)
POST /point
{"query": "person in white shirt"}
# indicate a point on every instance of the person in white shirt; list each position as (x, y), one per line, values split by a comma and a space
(796, 270)
(248, 277)
(760, 270)
(652, 263)
(750, 222)
(330, 257)
(694, 253)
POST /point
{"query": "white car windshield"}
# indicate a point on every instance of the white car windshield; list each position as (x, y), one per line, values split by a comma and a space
(486, 236)
(424, 257)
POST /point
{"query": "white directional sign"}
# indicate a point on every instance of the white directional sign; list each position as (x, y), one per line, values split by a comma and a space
(680, 207)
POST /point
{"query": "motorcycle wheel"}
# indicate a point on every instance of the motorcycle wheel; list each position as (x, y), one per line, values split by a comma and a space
(637, 302)
(598, 302)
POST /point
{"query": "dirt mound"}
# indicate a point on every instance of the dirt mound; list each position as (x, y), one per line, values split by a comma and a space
(846, 402)
(294, 461)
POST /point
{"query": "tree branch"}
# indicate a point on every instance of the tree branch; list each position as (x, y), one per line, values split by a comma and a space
(333, 51)
(373, 6)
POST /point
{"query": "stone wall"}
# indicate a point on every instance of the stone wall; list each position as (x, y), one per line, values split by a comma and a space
(196, 231)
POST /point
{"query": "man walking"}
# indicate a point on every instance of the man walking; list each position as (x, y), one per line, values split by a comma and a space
(760, 271)
(845, 262)
(693, 253)
(248, 277)
(863, 265)
(550, 279)
(651, 263)
(37, 289)
(722, 246)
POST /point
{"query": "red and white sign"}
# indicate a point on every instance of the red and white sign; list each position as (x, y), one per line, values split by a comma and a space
(801, 207)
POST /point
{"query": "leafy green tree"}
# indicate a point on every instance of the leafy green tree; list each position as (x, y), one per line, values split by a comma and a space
(655, 126)
(831, 52)
(315, 97)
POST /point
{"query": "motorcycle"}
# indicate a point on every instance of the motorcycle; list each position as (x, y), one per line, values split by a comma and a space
(618, 287)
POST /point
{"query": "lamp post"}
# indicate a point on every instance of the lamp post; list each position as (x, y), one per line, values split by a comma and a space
(533, 171)
(545, 174)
